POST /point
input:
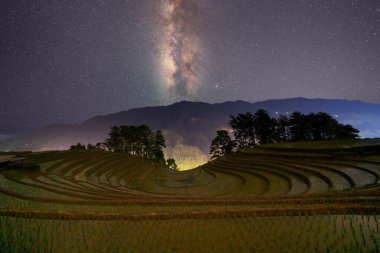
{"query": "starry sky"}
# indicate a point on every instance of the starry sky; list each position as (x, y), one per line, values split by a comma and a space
(65, 61)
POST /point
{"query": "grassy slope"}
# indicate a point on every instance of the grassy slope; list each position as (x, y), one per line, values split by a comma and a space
(268, 170)
(217, 206)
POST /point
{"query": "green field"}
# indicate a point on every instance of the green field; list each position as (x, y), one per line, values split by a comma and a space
(299, 197)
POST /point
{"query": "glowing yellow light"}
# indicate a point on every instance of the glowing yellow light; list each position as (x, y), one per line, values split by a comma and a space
(187, 157)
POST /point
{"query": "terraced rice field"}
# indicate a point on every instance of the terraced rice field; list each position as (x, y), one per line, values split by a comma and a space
(321, 198)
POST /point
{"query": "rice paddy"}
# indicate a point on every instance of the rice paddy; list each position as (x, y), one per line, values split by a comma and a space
(274, 198)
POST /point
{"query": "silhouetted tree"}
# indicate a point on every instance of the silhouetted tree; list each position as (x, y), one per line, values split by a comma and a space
(145, 141)
(170, 162)
(346, 132)
(78, 146)
(159, 144)
(243, 129)
(260, 128)
(282, 129)
(221, 144)
(264, 127)
(298, 127)
(322, 126)
(137, 140)
(90, 146)
(115, 140)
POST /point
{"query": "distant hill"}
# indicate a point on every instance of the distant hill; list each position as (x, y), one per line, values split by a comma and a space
(190, 126)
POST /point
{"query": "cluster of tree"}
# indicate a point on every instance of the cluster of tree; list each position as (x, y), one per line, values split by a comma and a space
(89, 146)
(135, 140)
(259, 128)
(80, 146)
(138, 141)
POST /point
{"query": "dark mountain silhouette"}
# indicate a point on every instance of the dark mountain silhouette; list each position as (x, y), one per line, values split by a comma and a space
(192, 123)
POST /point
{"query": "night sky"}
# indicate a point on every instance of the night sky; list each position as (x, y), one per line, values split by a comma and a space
(65, 61)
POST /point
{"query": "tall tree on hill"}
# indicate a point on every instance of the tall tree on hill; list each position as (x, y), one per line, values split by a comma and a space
(159, 144)
(264, 127)
(114, 142)
(282, 129)
(221, 144)
(322, 126)
(124, 136)
(243, 129)
(146, 141)
(298, 127)
(346, 132)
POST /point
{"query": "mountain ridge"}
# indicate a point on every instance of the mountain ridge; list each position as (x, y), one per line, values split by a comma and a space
(190, 126)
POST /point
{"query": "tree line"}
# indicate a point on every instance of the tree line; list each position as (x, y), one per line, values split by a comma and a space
(80, 146)
(138, 141)
(250, 130)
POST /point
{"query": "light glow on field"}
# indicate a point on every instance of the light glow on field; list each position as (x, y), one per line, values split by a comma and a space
(187, 157)
(188, 165)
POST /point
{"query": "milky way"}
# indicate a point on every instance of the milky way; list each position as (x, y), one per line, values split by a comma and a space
(180, 49)
(67, 61)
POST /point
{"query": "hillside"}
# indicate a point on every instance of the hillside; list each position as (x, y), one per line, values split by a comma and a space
(190, 126)
(267, 170)
(323, 196)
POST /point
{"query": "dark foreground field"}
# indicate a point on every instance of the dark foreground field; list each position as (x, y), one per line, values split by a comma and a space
(301, 197)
